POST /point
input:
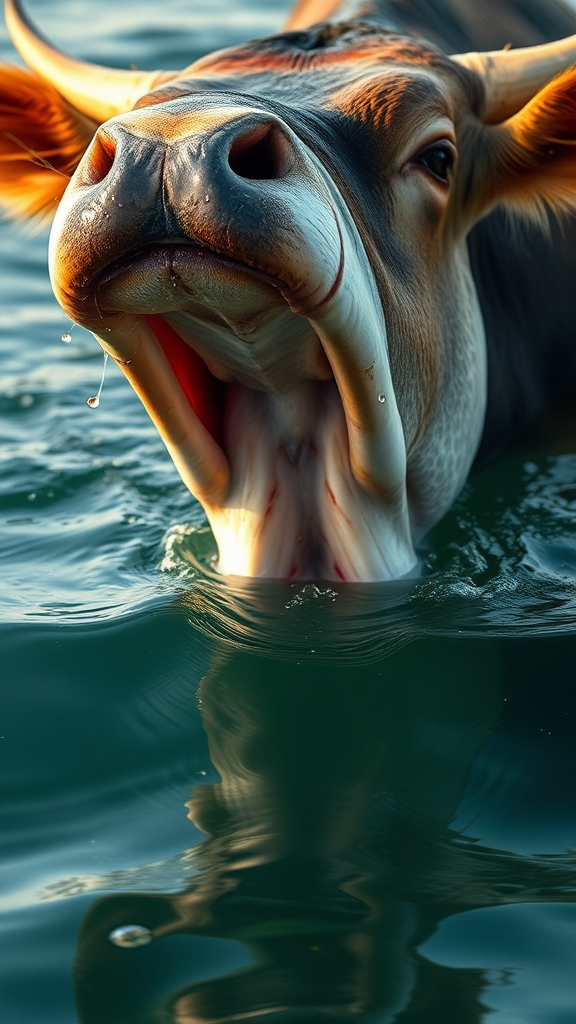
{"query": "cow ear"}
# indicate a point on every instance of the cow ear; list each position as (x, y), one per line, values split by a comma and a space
(528, 162)
(42, 139)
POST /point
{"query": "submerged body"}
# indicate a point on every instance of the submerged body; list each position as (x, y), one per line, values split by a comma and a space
(273, 246)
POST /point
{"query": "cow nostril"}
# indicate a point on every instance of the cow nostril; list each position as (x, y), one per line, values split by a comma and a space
(100, 159)
(261, 153)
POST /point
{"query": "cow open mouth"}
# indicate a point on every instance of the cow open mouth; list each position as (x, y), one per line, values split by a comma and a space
(213, 316)
(273, 452)
(250, 369)
(257, 343)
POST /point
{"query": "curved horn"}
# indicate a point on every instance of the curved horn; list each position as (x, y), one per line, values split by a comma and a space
(512, 77)
(98, 92)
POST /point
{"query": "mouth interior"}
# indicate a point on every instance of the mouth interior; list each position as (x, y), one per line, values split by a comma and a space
(275, 445)
(202, 389)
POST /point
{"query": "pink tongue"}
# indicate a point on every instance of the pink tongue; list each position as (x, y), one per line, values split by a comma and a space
(203, 391)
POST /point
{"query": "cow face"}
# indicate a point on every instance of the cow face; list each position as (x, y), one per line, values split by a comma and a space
(271, 245)
(287, 209)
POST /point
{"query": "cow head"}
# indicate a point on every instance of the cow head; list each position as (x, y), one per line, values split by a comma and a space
(271, 245)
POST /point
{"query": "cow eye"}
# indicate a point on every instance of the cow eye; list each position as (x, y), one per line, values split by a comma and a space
(438, 160)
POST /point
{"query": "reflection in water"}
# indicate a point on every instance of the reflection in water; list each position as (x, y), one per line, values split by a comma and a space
(329, 857)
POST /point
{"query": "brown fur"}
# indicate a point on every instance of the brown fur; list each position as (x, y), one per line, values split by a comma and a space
(362, 48)
(395, 105)
(42, 140)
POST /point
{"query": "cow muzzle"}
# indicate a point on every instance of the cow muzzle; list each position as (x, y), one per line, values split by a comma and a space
(173, 206)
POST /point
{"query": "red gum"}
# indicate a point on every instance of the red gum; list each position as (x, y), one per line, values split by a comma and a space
(202, 390)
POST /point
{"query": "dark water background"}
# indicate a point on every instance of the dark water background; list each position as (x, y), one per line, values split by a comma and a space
(380, 780)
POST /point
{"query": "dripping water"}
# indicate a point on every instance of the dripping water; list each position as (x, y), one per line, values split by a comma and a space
(94, 401)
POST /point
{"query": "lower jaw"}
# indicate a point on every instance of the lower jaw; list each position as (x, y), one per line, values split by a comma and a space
(272, 521)
(292, 509)
(316, 526)
(278, 518)
(289, 506)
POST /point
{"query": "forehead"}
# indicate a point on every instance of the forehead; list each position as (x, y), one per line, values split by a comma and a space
(356, 69)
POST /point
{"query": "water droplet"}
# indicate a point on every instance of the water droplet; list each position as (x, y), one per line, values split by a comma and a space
(382, 399)
(66, 338)
(130, 936)
(94, 401)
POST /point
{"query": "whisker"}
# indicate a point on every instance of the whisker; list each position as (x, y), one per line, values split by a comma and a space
(36, 158)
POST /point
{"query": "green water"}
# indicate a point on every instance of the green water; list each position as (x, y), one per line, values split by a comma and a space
(323, 802)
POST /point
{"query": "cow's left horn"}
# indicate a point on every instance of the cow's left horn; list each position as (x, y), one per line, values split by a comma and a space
(98, 92)
(512, 77)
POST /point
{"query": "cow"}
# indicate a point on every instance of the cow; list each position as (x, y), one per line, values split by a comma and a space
(294, 250)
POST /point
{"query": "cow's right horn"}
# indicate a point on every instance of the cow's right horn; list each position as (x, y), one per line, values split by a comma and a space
(512, 77)
(98, 92)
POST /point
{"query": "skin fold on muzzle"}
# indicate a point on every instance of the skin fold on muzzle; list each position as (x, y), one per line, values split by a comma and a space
(210, 253)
